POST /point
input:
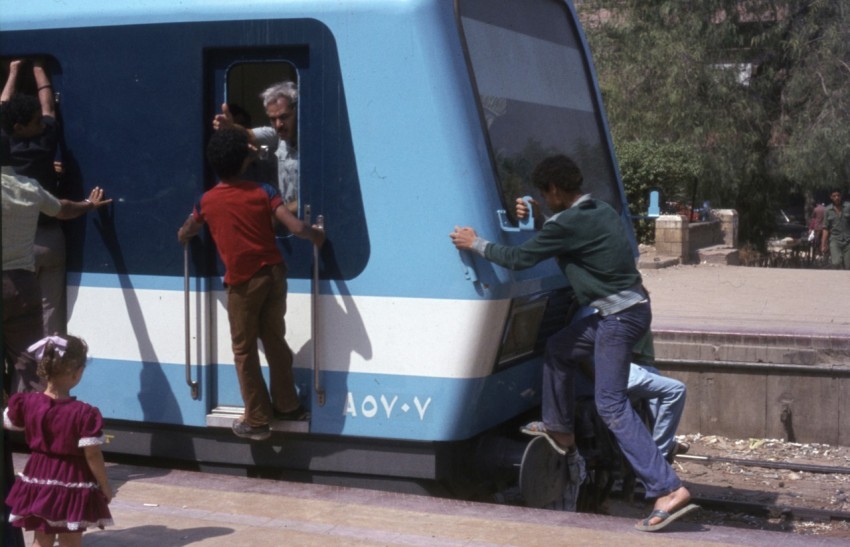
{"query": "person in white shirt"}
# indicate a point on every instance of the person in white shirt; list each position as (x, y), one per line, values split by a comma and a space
(23, 200)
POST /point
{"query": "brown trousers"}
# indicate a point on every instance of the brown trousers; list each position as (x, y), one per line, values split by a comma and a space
(256, 310)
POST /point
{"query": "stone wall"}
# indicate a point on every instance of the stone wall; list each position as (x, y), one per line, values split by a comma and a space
(700, 236)
(676, 237)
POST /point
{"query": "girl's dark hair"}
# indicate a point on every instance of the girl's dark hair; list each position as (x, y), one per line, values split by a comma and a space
(74, 358)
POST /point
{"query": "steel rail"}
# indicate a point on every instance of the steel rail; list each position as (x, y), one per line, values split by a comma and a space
(768, 510)
(787, 465)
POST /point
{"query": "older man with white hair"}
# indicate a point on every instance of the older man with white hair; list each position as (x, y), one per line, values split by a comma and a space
(281, 104)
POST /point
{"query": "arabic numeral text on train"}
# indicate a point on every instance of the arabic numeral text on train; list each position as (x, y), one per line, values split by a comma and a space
(371, 406)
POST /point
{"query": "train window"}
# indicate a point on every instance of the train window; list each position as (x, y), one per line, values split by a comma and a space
(536, 93)
(277, 139)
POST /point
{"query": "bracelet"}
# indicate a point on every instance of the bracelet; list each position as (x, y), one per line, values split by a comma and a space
(46, 86)
(90, 202)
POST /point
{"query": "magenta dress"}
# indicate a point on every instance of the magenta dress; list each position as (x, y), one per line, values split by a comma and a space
(57, 492)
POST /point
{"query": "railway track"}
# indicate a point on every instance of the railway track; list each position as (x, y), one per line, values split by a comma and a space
(771, 490)
(787, 466)
(771, 511)
(757, 494)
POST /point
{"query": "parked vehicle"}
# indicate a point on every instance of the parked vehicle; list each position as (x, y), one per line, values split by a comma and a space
(789, 226)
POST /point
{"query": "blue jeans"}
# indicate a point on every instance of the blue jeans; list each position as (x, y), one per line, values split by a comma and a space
(665, 399)
(607, 342)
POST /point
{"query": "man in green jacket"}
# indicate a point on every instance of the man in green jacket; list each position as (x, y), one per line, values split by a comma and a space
(588, 240)
(836, 232)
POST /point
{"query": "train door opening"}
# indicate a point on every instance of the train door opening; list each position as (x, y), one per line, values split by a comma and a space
(236, 80)
(277, 159)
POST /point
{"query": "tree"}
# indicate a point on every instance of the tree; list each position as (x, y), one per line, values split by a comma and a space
(645, 166)
(812, 129)
(753, 92)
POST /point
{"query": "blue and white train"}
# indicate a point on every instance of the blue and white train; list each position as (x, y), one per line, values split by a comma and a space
(414, 116)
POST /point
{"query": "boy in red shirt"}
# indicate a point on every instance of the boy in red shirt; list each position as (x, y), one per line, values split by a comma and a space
(239, 214)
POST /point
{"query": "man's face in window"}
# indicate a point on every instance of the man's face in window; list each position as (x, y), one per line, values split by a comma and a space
(283, 119)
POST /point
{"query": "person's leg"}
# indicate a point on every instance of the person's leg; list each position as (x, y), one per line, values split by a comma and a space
(22, 326)
(666, 401)
(640, 387)
(615, 337)
(243, 311)
(42, 539)
(564, 351)
(836, 257)
(71, 539)
(14, 536)
(49, 252)
(845, 256)
(278, 353)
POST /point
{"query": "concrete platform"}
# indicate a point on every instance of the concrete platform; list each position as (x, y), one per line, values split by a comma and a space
(166, 508)
(765, 352)
(795, 308)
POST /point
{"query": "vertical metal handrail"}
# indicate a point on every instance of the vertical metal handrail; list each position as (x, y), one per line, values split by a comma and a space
(193, 385)
(314, 304)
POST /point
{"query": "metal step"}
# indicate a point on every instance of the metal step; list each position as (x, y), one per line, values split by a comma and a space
(224, 416)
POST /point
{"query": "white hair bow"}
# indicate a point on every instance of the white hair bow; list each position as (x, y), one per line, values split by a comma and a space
(38, 348)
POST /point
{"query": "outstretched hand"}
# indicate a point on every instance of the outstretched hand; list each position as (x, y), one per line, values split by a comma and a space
(96, 197)
(463, 238)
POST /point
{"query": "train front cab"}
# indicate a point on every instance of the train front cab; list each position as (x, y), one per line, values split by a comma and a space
(537, 96)
(411, 120)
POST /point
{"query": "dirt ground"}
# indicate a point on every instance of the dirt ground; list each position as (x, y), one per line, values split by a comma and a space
(779, 488)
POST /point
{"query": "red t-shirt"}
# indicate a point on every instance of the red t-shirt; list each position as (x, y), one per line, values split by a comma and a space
(239, 215)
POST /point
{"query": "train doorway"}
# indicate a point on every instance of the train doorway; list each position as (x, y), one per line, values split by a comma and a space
(236, 80)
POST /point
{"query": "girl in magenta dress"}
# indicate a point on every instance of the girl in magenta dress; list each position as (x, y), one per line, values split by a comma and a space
(64, 488)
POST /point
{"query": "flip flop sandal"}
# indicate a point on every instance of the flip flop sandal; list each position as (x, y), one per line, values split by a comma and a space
(537, 429)
(666, 518)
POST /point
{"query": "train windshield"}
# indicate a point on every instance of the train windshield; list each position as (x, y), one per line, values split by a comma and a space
(536, 93)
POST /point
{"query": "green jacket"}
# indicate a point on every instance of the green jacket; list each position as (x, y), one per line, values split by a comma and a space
(838, 224)
(590, 245)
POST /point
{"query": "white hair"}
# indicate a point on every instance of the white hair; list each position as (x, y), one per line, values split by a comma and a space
(281, 90)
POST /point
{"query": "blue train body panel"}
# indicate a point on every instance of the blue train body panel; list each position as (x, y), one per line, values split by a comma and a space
(414, 117)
